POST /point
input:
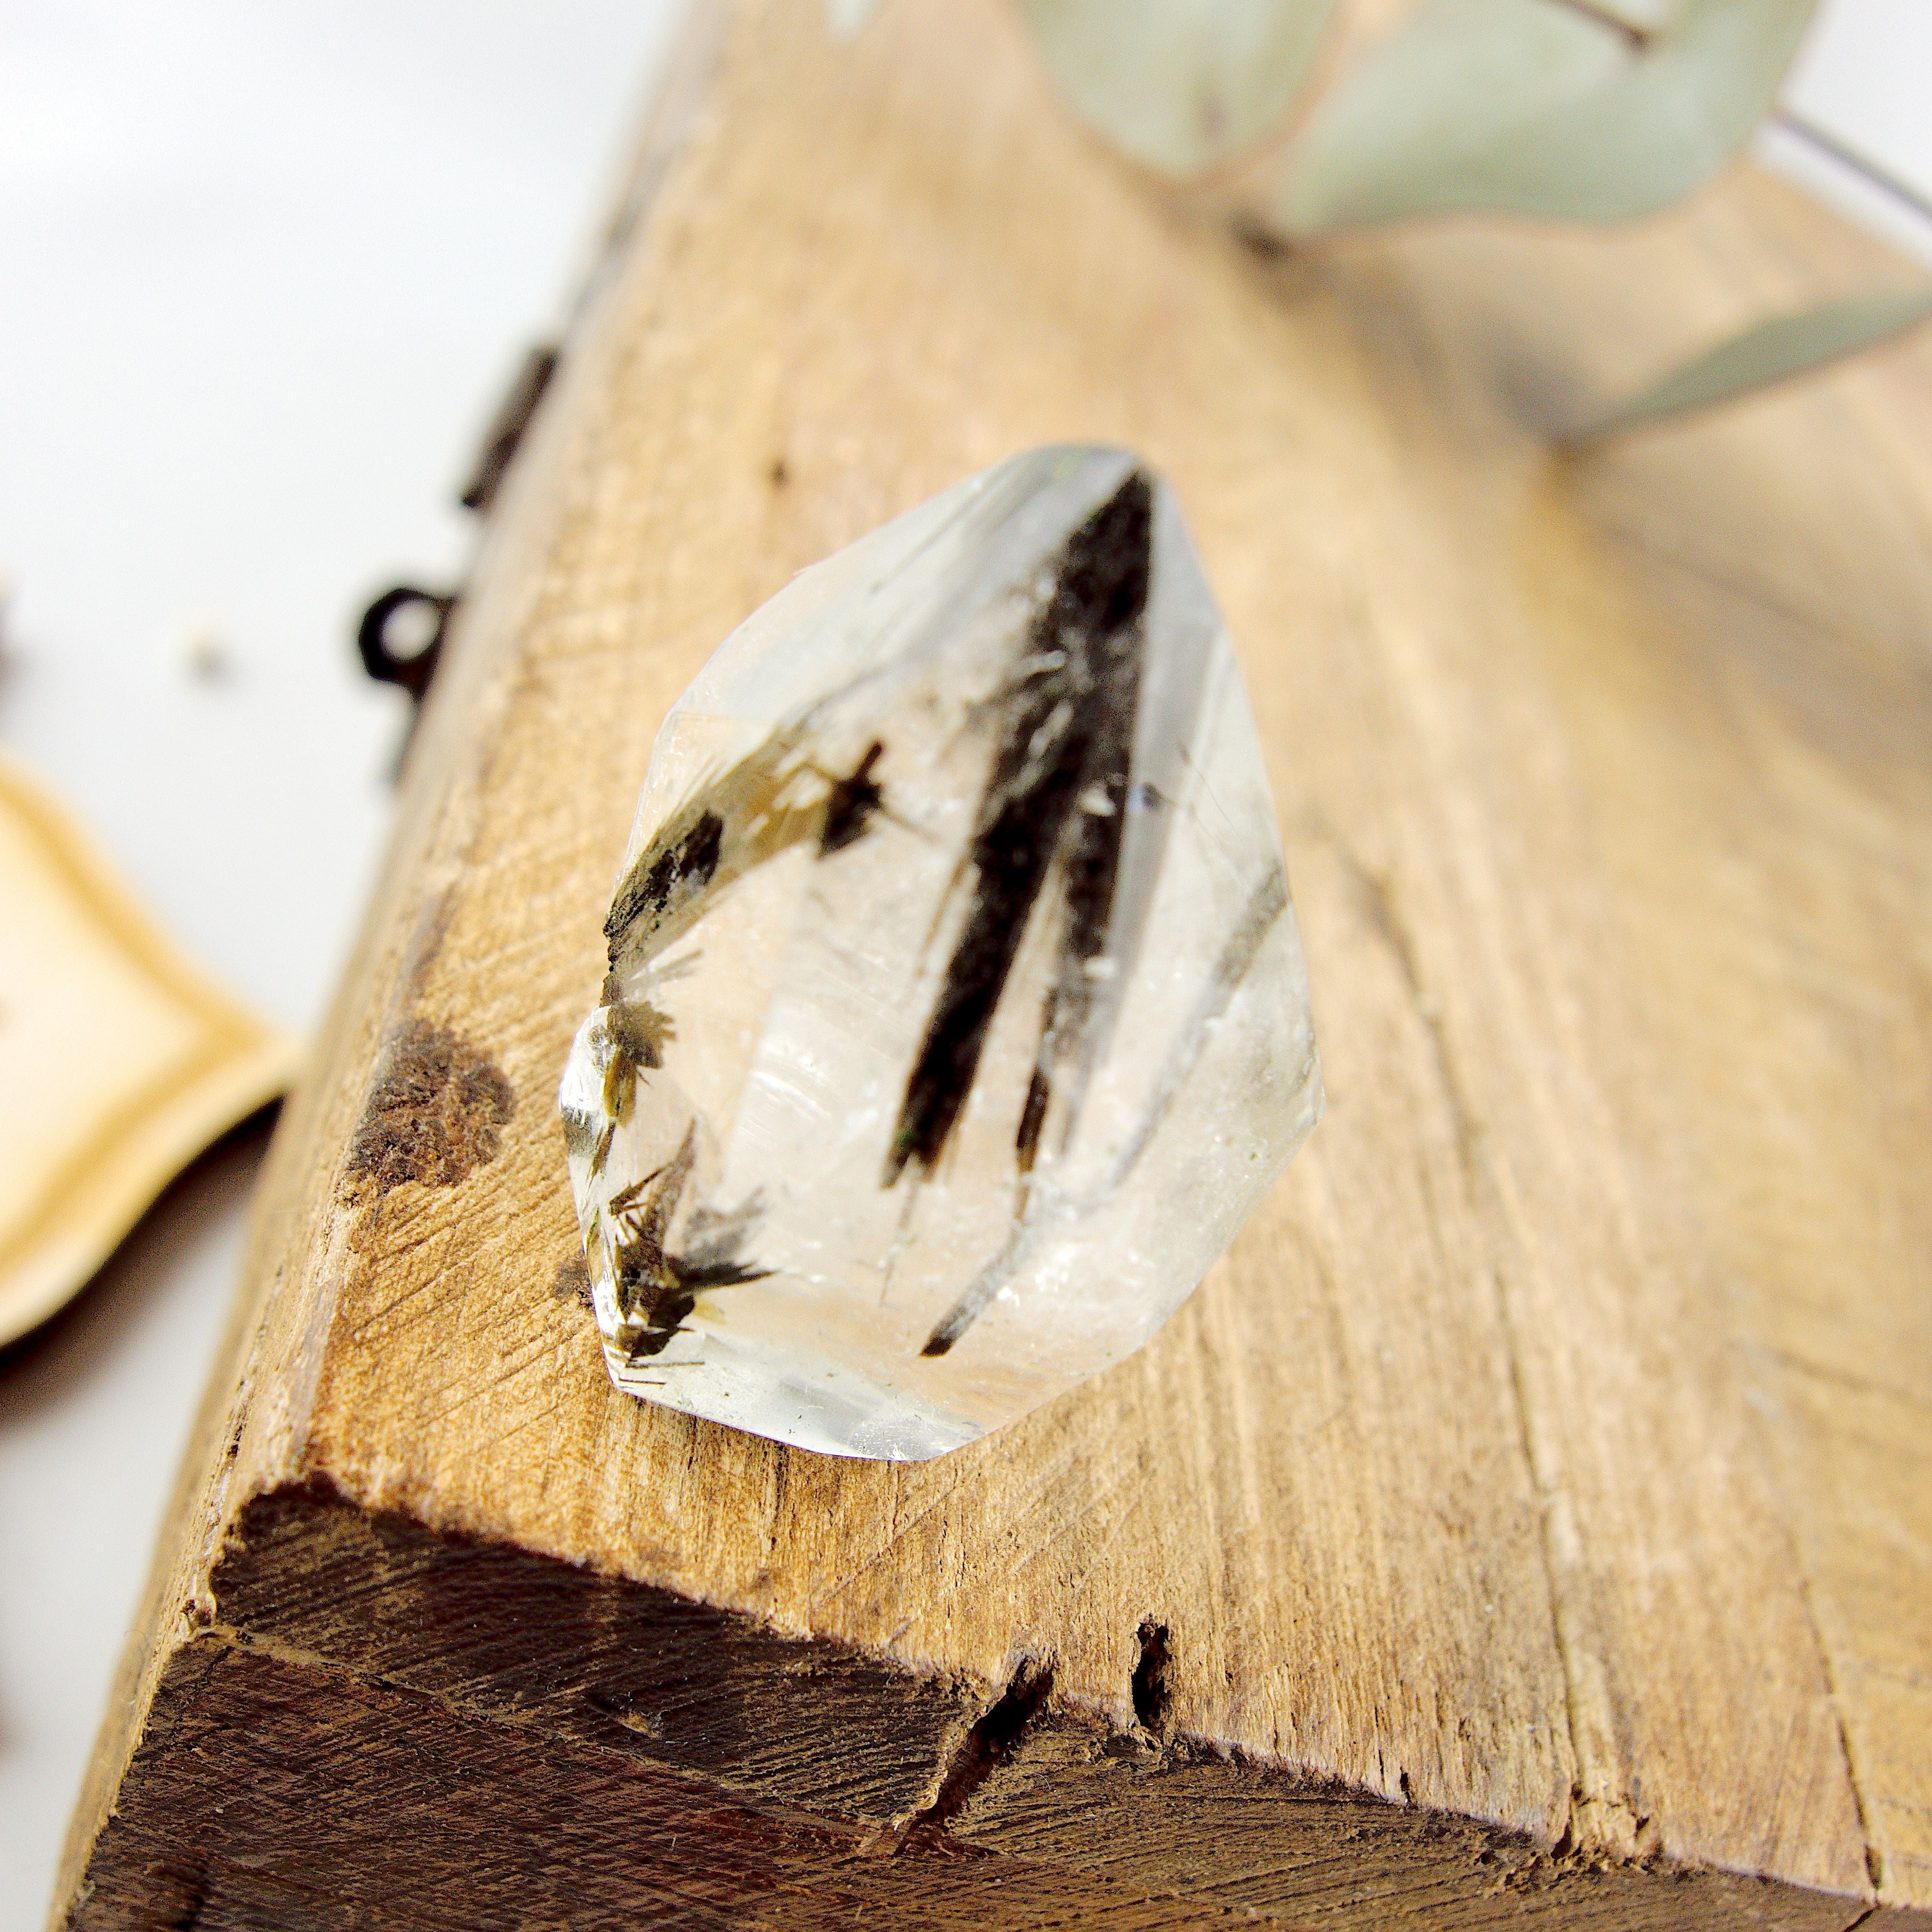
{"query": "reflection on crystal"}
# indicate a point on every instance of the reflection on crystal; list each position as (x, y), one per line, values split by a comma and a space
(955, 1018)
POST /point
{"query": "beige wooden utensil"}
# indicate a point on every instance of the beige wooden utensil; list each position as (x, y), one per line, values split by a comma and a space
(120, 1060)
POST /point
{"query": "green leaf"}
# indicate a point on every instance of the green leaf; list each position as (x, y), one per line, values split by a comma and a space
(1772, 351)
(1179, 85)
(1539, 107)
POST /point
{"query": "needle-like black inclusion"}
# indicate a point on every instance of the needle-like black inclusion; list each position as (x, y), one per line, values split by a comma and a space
(677, 872)
(853, 802)
(1066, 727)
(655, 1287)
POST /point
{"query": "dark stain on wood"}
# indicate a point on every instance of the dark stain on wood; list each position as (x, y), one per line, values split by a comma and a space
(572, 1283)
(435, 1114)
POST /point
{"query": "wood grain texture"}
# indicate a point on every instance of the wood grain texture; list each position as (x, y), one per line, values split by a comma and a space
(1536, 1501)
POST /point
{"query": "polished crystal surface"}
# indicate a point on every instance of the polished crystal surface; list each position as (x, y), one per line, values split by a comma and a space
(956, 1018)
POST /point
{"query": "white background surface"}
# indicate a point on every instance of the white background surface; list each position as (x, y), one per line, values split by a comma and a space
(263, 271)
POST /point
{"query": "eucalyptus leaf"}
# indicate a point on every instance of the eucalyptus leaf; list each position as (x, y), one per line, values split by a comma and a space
(1180, 85)
(1785, 346)
(1539, 107)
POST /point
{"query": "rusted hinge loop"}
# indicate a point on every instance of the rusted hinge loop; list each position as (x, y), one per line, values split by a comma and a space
(401, 637)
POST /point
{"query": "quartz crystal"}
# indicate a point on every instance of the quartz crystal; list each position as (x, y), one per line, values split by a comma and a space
(955, 1018)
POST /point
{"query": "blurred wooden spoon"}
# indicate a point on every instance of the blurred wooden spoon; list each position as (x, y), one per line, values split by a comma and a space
(120, 1060)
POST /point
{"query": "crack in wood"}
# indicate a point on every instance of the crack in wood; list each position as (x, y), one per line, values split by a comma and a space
(992, 1739)
(1148, 1688)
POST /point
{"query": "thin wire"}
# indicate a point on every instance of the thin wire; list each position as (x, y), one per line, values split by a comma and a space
(1899, 190)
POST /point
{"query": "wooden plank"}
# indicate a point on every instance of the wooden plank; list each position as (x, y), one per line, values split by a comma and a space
(1528, 1520)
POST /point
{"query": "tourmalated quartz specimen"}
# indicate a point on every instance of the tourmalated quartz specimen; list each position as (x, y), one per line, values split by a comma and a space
(955, 1018)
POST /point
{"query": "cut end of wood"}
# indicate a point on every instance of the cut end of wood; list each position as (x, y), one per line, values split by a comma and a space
(366, 1702)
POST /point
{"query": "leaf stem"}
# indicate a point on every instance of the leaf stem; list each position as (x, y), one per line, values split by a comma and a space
(1639, 37)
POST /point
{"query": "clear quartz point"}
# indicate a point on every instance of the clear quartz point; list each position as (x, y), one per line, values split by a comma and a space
(956, 1017)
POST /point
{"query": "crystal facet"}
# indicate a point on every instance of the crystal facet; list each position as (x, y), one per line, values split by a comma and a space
(956, 1017)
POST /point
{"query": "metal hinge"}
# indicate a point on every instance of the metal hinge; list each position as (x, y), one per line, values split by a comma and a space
(400, 637)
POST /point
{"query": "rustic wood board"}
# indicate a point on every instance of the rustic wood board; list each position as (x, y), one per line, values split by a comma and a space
(120, 1060)
(1531, 1520)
